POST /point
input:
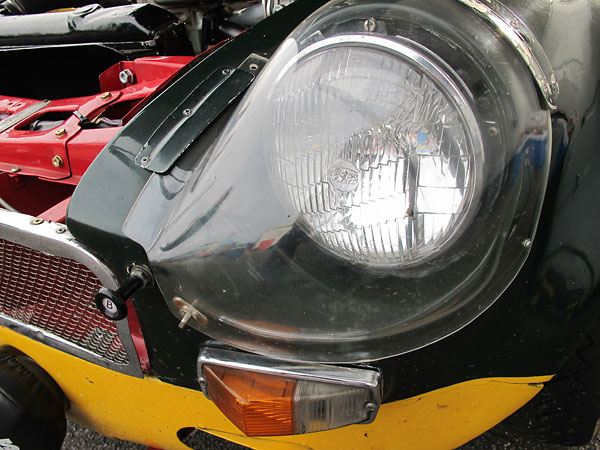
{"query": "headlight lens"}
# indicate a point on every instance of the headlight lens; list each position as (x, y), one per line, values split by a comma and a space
(376, 190)
(376, 148)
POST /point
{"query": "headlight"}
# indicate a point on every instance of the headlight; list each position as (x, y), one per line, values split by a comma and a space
(378, 188)
(377, 148)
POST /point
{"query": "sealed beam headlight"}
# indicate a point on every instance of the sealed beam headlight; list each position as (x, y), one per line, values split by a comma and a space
(377, 188)
(377, 147)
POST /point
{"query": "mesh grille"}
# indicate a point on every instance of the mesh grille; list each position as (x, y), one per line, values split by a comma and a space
(56, 295)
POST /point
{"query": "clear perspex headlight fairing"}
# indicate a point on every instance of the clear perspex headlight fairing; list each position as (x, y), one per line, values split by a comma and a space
(377, 188)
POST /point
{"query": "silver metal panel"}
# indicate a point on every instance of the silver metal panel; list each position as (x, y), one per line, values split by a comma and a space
(22, 115)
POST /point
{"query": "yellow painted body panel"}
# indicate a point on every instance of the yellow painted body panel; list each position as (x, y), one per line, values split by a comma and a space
(149, 411)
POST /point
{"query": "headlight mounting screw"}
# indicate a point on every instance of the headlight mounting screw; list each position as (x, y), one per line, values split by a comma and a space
(370, 25)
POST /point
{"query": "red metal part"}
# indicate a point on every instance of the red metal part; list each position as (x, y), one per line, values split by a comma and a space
(39, 169)
(32, 195)
(12, 105)
(64, 152)
(144, 70)
(138, 338)
(57, 213)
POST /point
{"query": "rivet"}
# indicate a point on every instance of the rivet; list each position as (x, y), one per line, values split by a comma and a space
(15, 169)
(527, 243)
(60, 132)
(37, 221)
(370, 25)
(226, 71)
(187, 112)
(57, 161)
(106, 95)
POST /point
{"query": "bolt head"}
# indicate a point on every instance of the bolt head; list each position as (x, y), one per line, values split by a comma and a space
(61, 132)
(57, 161)
(126, 76)
(370, 25)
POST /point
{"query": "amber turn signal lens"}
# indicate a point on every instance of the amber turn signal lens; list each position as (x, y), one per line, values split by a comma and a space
(258, 404)
(262, 404)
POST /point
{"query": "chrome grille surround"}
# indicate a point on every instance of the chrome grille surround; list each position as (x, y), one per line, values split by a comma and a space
(47, 288)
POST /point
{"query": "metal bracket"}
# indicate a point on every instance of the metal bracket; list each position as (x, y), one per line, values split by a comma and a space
(195, 113)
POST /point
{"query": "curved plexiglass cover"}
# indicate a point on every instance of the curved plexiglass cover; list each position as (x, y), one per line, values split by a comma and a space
(375, 190)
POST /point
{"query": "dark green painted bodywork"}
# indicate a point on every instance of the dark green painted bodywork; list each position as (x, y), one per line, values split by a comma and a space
(530, 330)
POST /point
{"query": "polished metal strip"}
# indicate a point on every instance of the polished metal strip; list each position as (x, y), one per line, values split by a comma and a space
(19, 116)
(54, 239)
(522, 39)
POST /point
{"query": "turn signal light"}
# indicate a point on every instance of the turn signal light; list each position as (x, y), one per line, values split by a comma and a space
(262, 404)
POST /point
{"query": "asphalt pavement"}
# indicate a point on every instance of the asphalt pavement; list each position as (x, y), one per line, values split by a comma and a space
(79, 438)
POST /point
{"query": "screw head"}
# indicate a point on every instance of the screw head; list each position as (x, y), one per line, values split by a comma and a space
(226, 71)
(61, 230)
(105, 95)
(57, 161)
(371, 407)
(527, 243)
(253, 66)
(370, 25)
(61, 132)
(15, 170)
(37, 221)
(187, 112)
